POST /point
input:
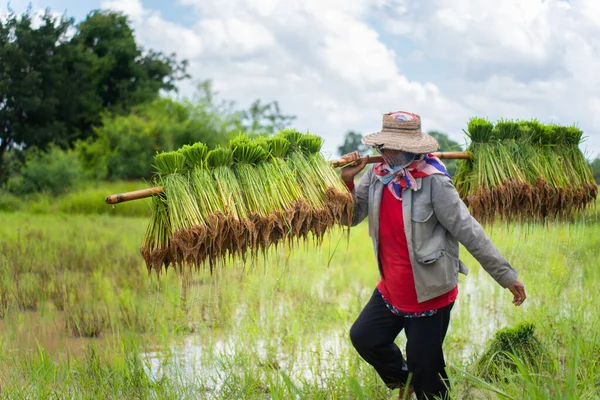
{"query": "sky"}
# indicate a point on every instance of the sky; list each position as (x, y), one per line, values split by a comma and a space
(339, 65)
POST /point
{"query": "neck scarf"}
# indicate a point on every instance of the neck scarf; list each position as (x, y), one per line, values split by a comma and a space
(398, 178)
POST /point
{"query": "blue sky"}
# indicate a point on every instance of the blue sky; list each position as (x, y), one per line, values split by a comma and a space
(338, 64)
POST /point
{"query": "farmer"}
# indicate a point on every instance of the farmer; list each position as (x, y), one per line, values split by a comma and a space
(416, 221)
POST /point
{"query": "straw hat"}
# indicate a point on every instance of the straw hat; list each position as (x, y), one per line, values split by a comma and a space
(401, 130)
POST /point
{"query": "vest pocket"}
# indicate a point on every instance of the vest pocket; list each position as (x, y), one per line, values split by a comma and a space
(421, 212)
(431, 258)
(422, 215)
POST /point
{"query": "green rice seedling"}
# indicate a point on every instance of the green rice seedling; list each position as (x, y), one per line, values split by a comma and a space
(509, 344)
(480, 130)
(157, 239)
(580, 176)
(277, 190)
(240, 230)
(513, 196)
(282, 187)
(339, 203)
(470, 179)
(524, 170)
(247, 155)
(476, 177)
(538, 133)
(186, 222)
(204, 189)
(308, 180)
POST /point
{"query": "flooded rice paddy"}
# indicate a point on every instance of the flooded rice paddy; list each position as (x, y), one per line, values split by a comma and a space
(274, 328)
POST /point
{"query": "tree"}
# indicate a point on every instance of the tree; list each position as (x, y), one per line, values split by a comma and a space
(447, 144)
(31, 76)
(56, 79)
(124, 145)
(352, 142)
(126, 76)
(264, 118)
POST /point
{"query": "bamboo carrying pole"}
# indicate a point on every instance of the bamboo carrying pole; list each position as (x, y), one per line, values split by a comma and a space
(144, 193)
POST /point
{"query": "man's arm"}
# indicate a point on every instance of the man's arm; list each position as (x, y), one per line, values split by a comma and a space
(360, 194)
(454, 215)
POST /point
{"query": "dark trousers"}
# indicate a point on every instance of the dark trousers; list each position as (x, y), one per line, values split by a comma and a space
(373, 335)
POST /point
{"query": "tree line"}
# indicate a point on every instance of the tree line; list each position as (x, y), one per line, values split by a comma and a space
(85, 101)
(81, 101)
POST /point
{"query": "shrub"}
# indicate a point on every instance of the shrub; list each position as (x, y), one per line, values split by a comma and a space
(90, 200)
(54, 171)
(9, 202)
(125, 145)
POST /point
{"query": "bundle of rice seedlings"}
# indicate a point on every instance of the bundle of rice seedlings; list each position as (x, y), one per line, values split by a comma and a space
(514, 196)
(203, 188)
(182, 208)
(157, 240)
(524, 170)
(475, 179)
(247, 155)
(289, 208)
(239, 231)
(338, 204)
(578, 173)
(509, 348)
(317, 215)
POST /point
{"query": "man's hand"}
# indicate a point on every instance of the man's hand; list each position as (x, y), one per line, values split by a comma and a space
(518, 291)
(348, 173)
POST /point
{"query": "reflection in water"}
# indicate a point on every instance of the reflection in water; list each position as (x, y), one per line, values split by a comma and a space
(475, 318)
(23, 332)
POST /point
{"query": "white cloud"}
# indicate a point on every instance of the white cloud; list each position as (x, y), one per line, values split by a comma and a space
(320, 59)
(234, 37)
(514, 58)
(133, 8)
(325, 61)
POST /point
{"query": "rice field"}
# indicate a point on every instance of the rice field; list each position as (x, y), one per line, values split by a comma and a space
(81, 318)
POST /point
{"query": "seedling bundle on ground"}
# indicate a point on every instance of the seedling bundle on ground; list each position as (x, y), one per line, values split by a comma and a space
(228, 202)
(235, 201)
(508, 348)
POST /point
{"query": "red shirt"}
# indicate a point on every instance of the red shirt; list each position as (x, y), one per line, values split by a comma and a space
(397, 284)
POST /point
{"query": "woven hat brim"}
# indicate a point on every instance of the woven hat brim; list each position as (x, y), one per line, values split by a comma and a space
(421, 144)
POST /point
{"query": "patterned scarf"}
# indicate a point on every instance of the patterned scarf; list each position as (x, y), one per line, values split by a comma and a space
(398, 178)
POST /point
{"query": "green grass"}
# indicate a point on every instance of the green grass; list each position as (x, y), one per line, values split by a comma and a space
(88, 199)
(80, 318)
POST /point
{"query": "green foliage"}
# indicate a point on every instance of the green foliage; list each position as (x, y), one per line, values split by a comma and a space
(507, 346)
(54, 171)
(54, 84)
(447, 144)
(126, 76)
(125, 145)
(31, 81)
(264, 118)
(90, 200)
(352, 142)
(87, 199)
(9, 201)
